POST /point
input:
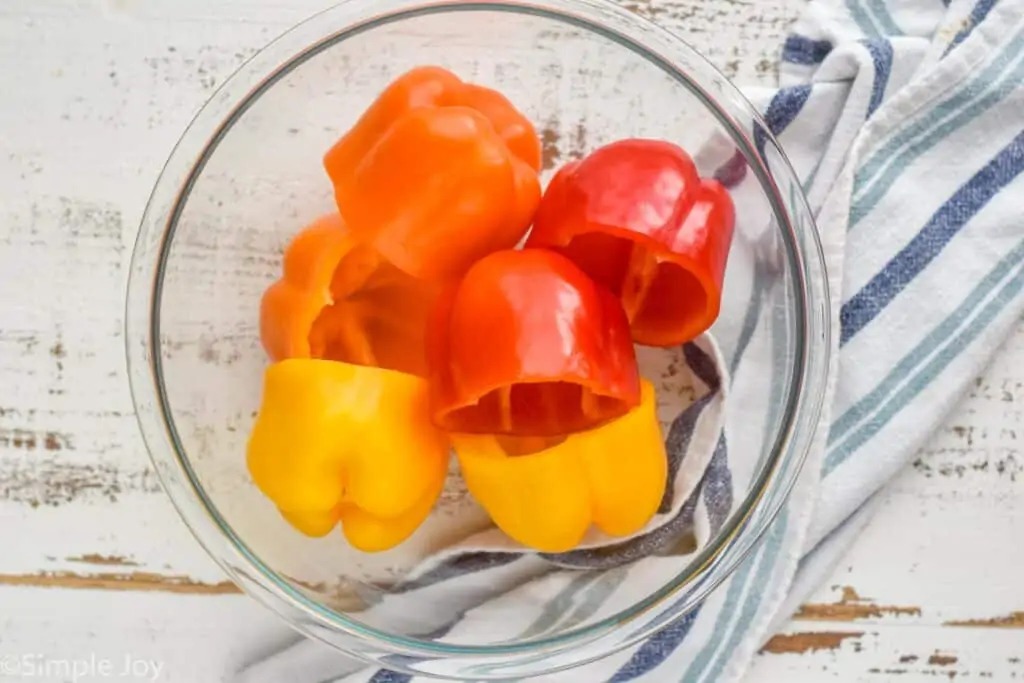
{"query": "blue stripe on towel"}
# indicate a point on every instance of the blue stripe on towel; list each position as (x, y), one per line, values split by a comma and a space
(785, 107)
(909, 390)
(806, 51)
(977, 15)
(935, 339)
(717, 489)
(677, 443)
(872, 299)
(881, 55)
(782, 111)
(884, 167)
(703, 366)
(656, 649)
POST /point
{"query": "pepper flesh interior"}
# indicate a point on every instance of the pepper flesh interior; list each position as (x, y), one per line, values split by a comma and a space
(654, 291)
(536, 403)
(514, 446)
(370, 306)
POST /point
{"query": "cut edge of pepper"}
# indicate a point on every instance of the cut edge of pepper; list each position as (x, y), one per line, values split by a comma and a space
(589, 404)
(651, 255)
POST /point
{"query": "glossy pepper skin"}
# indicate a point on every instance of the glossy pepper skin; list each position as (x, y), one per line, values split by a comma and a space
(335, 442)
(613, 477)
(636, 217)
(437, 173)
(527, 344)
(339, 300)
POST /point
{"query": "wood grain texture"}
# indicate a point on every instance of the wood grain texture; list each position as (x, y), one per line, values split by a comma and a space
(123, 581)
(95, 93)
(892, 653)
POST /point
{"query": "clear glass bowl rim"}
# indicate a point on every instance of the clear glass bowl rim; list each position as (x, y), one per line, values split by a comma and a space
(803, 402)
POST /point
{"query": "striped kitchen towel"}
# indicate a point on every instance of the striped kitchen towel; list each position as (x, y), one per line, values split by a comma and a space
(905, 121)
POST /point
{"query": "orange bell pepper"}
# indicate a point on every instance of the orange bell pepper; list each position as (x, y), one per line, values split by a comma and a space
(437, 173)
(527, 344)
(340, 300)
(335, 442)
(613, 477)
(514, 128)
(636, 217)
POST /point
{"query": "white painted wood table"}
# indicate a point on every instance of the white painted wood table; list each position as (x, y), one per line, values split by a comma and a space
(94, 562)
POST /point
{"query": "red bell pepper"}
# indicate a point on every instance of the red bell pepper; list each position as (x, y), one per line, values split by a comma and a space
(526, 344)
(637, 218)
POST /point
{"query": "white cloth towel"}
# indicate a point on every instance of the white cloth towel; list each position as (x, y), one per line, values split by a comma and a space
(905, 121)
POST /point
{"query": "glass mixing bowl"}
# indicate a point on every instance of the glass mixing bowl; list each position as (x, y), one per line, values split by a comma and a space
(247, 174)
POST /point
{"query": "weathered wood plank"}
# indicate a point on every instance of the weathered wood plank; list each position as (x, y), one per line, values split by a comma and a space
(889, 653)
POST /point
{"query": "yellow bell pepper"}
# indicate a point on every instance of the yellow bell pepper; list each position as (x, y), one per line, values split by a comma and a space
(613, 477)
(335, 442)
